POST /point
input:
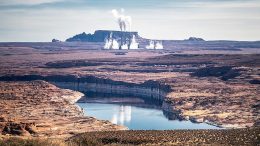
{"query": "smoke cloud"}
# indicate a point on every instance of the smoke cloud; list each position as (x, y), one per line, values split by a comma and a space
(123, 21)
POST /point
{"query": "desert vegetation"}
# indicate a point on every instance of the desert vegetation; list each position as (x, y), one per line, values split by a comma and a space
(233, 137)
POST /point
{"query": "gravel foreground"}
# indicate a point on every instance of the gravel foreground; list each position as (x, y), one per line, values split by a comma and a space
(175, 137)
(231, 137)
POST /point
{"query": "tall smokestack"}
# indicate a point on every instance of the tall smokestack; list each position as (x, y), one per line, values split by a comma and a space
(121, 43)
(123, 22)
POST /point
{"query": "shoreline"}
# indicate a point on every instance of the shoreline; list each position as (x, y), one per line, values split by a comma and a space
(149, 89)
(142, 92)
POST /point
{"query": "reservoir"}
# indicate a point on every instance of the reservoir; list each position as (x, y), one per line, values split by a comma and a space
(134, 113)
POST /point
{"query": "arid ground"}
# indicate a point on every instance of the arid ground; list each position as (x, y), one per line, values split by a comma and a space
(212, 82)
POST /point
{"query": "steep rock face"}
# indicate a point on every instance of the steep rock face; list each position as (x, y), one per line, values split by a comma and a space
(120, 89)
(100, 36)
(195, 99)
(150, 88)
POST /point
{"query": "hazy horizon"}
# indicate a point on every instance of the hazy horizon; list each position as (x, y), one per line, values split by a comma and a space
(43, 20)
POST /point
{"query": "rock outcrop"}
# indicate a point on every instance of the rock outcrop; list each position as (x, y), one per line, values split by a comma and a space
(195, 39)
(55, 40)
(185, 97)
(37, 108)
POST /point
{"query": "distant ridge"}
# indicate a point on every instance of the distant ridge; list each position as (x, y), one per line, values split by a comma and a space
(194, 39)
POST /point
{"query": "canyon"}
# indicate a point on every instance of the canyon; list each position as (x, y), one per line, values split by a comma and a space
(218, 89)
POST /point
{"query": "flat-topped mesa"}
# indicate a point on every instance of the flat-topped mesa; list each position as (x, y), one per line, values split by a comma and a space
(101, 35)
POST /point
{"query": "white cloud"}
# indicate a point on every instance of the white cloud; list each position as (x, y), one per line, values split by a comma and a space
(210, 20)
(227, 4)
(25, 2)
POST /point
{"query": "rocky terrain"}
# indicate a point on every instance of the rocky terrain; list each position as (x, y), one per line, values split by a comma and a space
(245, 137)
(40, 109)
(193, 81)
(231, 137)
(215, 102)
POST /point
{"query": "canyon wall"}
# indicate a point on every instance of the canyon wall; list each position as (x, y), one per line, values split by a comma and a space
(148, 91)
(153, 90)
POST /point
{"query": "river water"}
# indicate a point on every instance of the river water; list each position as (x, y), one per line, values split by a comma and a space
(135, 113)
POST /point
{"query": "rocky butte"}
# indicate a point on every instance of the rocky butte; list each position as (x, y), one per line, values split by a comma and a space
(100, 36)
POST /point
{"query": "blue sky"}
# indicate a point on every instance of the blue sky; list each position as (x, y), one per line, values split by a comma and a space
(42, 20)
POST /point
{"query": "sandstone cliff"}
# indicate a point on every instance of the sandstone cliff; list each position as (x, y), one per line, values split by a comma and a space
(38, 108)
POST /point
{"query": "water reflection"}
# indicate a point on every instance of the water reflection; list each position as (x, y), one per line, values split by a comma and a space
(124, 100)
(123, 115)
(135, 113)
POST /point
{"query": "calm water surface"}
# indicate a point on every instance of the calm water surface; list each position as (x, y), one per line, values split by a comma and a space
(135, 115)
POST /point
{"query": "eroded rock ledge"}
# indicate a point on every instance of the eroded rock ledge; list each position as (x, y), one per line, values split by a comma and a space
(37, 108)
(229, 105)
(210, 100)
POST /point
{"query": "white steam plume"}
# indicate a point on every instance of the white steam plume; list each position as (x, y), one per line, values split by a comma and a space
(122, 20)
(159, 45)
(151, 45)
(155, 45)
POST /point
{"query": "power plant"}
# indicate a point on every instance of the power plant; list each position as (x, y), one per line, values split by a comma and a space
(126, 41)
(122, 39)
(122, 44)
